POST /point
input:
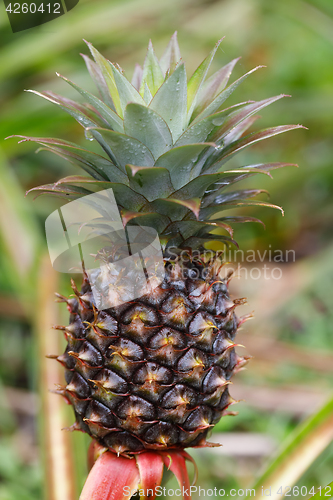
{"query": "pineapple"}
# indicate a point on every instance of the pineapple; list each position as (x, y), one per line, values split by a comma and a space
(154, 373)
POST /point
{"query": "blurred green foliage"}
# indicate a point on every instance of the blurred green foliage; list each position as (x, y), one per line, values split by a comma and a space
(294, 39)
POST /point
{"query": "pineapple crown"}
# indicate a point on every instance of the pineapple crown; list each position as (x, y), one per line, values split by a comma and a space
(166, 141)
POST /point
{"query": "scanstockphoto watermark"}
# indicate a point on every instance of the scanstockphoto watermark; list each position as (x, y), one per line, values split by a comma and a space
(159, 491)
(261, 492)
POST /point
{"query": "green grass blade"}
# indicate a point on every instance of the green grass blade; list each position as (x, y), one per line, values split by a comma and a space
(303, 446)
(59, 473)
(321, 493)
(19, 233)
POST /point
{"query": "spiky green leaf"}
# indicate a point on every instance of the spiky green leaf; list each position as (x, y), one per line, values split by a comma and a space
(99, 80)
(147, 95)
(188, 228)
(171, 56)
(152, 73)
(197, 79)
(82, 114)
(86, 182)
(198, 186)
(207, 212)
(111, 118)
(240, 219)
(239, 130)
(79, 185)
(61, 191)
(201, 130)
(241, 194)
(177, 209)
(230, 177)
(213, 86)
(95, 165)
(223, 96)
(137, 76)
(238, 116)
(127, 93)
(124, 195)
(157, 221)
(105, 68)
(170, 101)
(248, 140)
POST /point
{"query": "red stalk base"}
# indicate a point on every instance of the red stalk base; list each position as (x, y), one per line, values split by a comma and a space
(114, 477)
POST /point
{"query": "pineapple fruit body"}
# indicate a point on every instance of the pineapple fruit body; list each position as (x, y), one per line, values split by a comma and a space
(154, 373)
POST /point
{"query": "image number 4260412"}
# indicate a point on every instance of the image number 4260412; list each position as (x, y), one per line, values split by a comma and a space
(25, 15)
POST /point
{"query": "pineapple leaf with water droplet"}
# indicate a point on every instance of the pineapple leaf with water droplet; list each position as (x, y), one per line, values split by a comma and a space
(123, 149)
(181, 161)
(151, 182)
(147, 126)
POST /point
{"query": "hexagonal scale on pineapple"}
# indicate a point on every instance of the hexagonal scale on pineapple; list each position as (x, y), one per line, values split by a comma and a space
(99, 419)
(136, 414)
(203, 296)
(151, 381)
(88, 355)
(180, 395)
(177, 310)
(123, 442)
(214, 379)
(110, 381)
(139, 323)
(200, 418)
(99, 339)
(78, 386)
(166, 346)
(162, 434)
(192, 366)
(203, 328)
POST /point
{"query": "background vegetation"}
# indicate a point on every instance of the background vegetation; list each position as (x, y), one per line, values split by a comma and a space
(290, 377)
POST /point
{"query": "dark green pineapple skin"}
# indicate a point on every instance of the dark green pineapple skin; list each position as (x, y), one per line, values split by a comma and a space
(153, 373)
